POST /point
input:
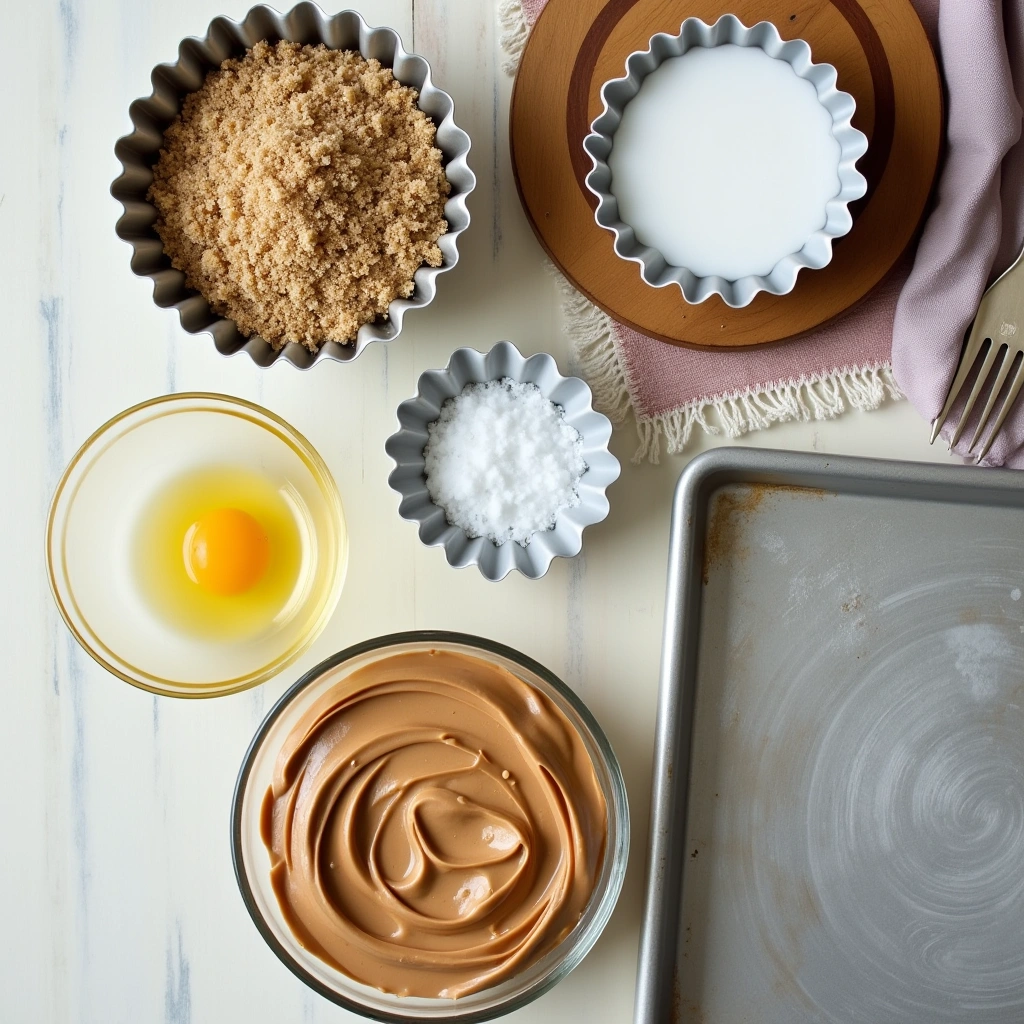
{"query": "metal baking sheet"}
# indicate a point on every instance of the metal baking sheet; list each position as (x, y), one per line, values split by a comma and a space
(837, 827)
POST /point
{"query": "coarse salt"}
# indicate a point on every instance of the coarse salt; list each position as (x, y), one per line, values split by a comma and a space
(502, 461)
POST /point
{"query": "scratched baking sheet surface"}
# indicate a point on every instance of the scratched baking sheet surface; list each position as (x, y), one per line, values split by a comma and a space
(855, 840)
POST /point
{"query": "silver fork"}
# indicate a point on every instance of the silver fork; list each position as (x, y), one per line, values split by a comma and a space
(998, 330)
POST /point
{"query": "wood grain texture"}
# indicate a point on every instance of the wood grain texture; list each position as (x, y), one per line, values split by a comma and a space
(884, 60)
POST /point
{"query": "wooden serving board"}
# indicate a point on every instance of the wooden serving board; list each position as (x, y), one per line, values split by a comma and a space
(884, 59)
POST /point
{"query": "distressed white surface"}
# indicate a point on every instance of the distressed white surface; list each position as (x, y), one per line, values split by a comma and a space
(119, 901)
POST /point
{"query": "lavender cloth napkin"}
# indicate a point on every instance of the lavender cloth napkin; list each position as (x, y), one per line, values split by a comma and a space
(977, 226)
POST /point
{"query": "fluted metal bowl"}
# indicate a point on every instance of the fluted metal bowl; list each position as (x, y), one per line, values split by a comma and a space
(495, 561)
(616, 94)
(137, 152)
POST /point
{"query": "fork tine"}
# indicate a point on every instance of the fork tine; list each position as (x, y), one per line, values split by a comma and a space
(979, 384)
(997, 385)
(970, 353)
(1011, 396)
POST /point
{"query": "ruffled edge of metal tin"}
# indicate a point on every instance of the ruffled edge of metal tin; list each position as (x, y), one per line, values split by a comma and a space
(817, 250)
(434, 388)
(304, 23)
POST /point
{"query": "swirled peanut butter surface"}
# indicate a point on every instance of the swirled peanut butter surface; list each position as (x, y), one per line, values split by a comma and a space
(435, 825)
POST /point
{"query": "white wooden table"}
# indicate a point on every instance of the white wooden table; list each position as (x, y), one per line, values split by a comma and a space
(119, 903)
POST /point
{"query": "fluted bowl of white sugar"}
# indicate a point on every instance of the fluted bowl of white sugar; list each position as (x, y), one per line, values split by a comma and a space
(724, 161)
(502, 461)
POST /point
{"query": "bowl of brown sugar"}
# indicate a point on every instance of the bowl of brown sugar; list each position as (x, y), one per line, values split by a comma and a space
(294, 185)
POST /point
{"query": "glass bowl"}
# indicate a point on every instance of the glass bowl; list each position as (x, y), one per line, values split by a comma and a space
(96, 509)
(252, 861)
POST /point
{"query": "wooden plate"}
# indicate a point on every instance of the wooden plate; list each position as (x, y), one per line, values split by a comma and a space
(884, 59)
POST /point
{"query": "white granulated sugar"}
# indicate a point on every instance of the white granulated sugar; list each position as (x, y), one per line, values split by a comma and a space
(502, 462)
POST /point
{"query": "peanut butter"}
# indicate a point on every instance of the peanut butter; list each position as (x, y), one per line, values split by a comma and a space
(435, 825)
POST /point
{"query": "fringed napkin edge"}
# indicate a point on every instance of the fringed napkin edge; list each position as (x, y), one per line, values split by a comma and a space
(514, 30)
(821, 396)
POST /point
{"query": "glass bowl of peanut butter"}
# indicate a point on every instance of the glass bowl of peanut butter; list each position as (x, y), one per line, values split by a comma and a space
(430, 826)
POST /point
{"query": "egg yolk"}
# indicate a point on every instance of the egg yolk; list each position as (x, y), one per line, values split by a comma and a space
(226, 551)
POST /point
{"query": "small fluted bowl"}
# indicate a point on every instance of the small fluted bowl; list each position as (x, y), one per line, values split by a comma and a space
(137, 152)
(817, 250)
(496, 561)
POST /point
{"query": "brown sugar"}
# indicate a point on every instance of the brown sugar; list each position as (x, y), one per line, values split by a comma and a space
(299, 191)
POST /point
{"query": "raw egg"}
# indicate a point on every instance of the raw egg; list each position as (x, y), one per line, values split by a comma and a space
(219, 553)
(226, 551)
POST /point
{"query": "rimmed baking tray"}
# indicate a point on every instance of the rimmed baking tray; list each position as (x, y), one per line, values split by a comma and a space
(837, 830)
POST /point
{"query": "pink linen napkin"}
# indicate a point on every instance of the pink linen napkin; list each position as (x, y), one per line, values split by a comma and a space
(976, 228)
(847, 363)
